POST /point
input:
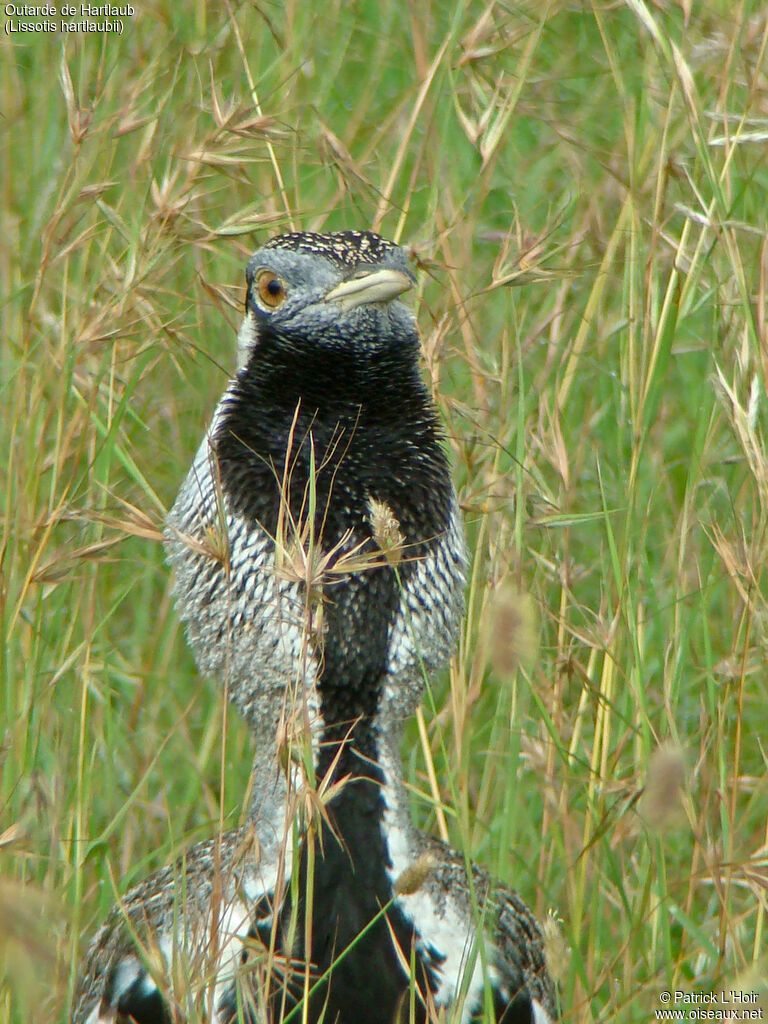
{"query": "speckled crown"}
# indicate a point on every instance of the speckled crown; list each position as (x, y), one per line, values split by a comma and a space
(344, 248)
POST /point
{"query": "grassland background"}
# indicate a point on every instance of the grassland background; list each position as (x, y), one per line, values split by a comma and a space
(584, 188)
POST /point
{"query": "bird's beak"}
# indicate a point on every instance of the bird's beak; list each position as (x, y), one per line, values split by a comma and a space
(378, 286)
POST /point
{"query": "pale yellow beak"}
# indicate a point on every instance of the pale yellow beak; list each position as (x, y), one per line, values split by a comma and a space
(378, 286)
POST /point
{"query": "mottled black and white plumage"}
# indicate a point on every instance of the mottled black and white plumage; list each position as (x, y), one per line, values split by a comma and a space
(198, 935)
(334, 369)
(511, 965)
(326, 421)
(176, 924)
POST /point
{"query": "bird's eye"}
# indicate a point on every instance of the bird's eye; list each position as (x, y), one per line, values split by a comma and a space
(270, 290)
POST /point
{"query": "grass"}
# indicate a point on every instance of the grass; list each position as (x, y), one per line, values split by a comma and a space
(583, 188)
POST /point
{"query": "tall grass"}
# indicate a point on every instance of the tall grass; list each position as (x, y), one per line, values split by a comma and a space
(583, 189)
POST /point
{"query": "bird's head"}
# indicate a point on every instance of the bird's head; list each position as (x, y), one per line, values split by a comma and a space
(336, 290)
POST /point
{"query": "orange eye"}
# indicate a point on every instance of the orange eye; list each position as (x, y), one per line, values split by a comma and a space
(270, 290)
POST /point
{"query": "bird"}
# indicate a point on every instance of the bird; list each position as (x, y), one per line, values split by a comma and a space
(327, 426)
(318, 550)
(326, 421)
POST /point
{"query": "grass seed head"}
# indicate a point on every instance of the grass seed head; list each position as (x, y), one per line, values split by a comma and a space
(556, 949)
(415, 875)
(661, 801)
(386, 530)
(511, 630)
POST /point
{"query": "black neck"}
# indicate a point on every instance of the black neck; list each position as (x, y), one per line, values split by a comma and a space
(354, 917)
